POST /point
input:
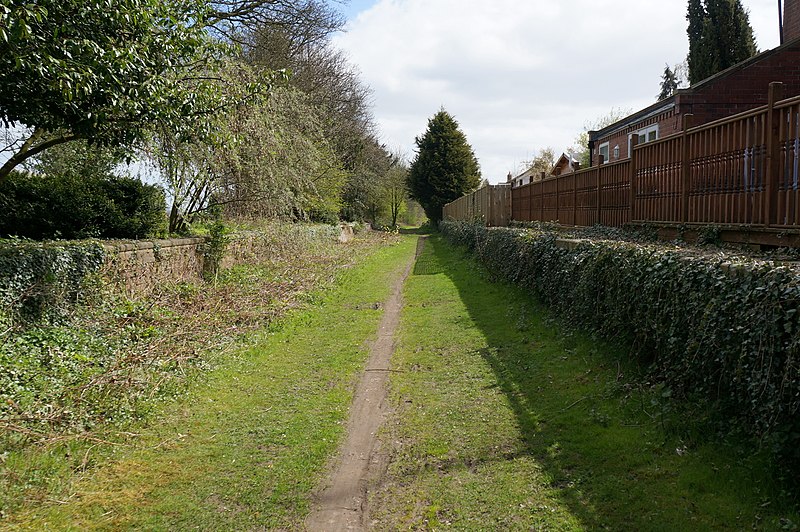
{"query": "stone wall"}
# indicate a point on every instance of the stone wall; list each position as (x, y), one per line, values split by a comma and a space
(139, 267)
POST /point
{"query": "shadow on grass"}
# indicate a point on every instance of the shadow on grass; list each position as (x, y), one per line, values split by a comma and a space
(599, 436)
(425, 229)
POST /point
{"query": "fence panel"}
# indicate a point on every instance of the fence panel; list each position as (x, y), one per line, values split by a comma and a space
(614, 189)
(742, 170)
(492, 204)
(657, 181)
(727, 171)
(788, 204)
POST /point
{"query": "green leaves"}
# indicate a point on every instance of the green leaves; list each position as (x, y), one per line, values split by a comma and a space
(41, 281)
(445, 167)
(720, 36)
(108, 72)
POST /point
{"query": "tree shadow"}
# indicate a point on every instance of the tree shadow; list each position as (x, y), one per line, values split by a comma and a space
(589, 428)
(425, 229)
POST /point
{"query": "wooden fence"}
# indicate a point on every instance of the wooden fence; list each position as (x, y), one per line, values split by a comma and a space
(492, 204)
(742, 170)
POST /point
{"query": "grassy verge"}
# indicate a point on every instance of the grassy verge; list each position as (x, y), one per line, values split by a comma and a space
(246, 445)
(504, 421)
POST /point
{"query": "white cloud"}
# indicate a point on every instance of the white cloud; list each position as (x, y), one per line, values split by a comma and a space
(518, 75)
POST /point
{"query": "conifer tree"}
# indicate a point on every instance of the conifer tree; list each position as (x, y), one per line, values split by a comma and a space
(445, 167)
(720, 36)
(669, 83)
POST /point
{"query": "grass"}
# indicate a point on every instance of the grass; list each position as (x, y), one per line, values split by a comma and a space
(506, 421)
(250, 441)
(73, 388)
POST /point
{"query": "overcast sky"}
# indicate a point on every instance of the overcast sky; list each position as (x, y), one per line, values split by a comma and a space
(518, 75)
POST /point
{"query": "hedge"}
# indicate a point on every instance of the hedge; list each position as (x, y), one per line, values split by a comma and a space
(710, 326)
(74, 207)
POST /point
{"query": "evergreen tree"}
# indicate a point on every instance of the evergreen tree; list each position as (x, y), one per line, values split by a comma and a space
(445, 167)
(720, 36)
(669, 83)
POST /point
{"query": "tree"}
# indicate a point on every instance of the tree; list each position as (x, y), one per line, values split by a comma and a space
(77, 159)
(77, 70)
(544, 161)
(669, 83)
(720, 36)
(332, 84)
(365, 194)
(581, 148)
(445, 167)
(266, 159)
(396, 188)
(306, 20)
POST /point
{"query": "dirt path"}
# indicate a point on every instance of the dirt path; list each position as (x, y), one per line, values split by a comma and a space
(342, 505)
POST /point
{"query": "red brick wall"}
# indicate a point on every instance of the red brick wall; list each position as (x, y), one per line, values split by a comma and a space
(791, 20)
(668, 124)
(737, 92)
(744, 89)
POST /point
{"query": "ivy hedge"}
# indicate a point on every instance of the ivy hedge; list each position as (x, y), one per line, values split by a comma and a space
(712, 327)
(43, 280)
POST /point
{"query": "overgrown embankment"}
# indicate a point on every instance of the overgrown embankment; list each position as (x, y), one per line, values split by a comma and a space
(246, 445)
(81, 363)
(716, 329)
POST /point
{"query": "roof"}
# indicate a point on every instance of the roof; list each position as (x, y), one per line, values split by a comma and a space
(566, 158)
(648, 112)
(668, 103)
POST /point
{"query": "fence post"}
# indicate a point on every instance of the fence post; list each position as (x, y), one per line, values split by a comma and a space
(632, 174)
(490, 208)
(530, 202)
(558, 202)
(773, 154)
(600, 162)
(574, 198)
(686, 182)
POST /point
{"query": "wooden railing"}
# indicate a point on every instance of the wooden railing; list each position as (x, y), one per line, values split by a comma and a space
(490, 204)
(742, 170)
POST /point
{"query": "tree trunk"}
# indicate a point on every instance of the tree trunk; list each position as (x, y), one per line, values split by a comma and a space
(28, 150)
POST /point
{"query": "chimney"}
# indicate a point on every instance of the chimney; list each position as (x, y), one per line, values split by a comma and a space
(791, 20)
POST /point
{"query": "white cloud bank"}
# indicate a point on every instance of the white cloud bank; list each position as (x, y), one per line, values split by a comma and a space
(518, 75)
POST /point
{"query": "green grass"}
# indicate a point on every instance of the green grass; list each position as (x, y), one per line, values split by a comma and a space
(506, 421)
(247, 446)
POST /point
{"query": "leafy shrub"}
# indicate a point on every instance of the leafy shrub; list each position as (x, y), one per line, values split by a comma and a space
(72, 207)
(41, 281)
(710, 326)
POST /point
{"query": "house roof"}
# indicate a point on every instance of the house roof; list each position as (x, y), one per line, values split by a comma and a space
(526, 173)
(639, 116)
(565, 159)
(668, 103)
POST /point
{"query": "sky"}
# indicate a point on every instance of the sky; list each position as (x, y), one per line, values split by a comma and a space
(518, 75)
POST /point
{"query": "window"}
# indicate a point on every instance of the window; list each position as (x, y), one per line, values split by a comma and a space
(648, 134)
(603, 151)
(616, 152)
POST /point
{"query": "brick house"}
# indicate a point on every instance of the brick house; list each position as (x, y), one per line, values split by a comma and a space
(739, 88)
(528, 176)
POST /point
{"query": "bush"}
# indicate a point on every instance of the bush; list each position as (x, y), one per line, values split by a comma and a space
(71, 207)
(43, 281)
(711, 327)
